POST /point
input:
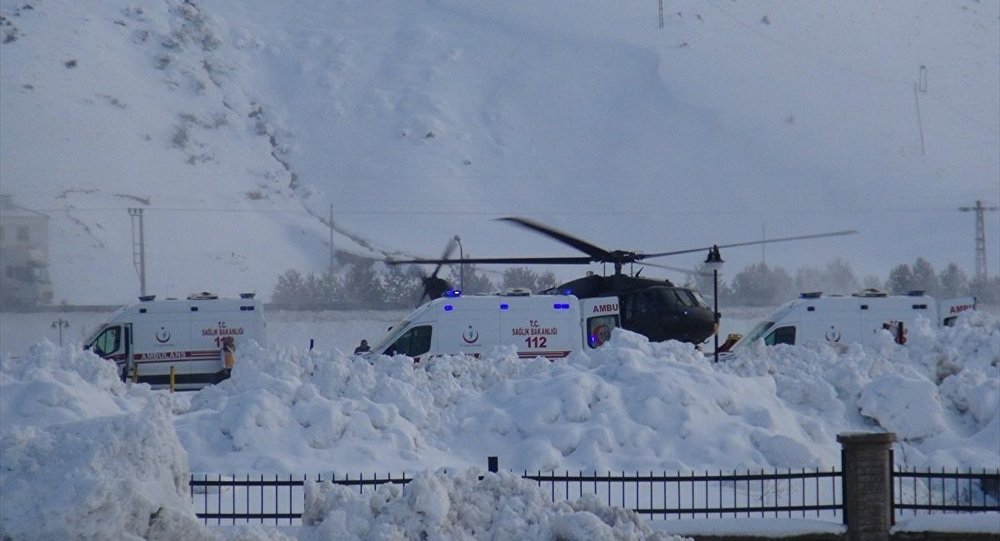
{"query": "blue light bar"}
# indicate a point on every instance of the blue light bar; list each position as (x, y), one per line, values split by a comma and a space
(453, 293)
(504, 306)
(448, 308)
(561, 306)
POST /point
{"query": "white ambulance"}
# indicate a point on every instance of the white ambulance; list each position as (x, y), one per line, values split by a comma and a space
(550, 326)
(817, 318)
(149, 338)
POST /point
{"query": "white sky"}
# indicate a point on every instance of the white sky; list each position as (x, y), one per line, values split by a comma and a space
(417, 122)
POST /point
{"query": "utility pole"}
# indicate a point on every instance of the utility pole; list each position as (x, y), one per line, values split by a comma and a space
(920, 122)
(763, 253)
(461, 266)
(982, 273)
(138, 248)
(920, 87)
(330, 268)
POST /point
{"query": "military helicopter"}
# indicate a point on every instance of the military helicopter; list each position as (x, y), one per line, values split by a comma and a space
(655, 308)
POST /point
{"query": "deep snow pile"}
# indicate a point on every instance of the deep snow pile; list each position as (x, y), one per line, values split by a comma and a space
(85, 456)
(464, 507)
(940, 393)
(633, 405)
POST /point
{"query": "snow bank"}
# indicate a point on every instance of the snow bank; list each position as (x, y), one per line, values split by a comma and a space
(632, 405)
(464, 507)
(940, 393)
(86, 457)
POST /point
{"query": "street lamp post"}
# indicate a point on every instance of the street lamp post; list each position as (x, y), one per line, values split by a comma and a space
(461, 266)
(60, 324)
(714, 261)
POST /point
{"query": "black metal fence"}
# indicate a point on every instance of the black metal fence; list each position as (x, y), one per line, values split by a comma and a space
(222, 499)
(957, 491)
(279, 500)
(749, 494)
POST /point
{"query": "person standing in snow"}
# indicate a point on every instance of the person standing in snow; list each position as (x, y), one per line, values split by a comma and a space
(362, 348)
(228, 355)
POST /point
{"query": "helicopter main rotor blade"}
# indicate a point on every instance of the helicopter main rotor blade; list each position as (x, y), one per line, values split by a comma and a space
(497, 260)
(751, 243)
(596, 252)
(682, 270)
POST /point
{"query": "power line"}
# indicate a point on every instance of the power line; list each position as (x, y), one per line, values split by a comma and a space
(354, 211)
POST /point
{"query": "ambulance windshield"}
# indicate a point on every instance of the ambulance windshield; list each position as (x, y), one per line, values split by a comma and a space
(757, 332)
(97, 330)
(390, 336)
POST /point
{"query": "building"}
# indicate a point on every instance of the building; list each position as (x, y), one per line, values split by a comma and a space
(24, 256)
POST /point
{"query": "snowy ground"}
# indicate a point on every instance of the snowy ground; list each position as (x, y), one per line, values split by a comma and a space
(124, 452)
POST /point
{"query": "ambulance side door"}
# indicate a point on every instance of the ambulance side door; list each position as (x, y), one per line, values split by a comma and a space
(114, 344)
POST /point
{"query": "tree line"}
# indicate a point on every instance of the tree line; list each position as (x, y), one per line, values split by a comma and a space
(365, 284)
(374, 285)
(763, 285)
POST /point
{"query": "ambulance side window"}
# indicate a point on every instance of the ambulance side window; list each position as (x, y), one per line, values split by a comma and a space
(108, 341)
(781, 335)
(412, 343)
(599, 329)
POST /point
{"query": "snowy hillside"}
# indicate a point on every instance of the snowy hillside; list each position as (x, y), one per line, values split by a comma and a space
(238, 126)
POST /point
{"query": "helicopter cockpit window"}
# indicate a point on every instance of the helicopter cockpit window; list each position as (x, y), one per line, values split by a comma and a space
(412, 343)
(641, 303)
(698, 299)
(781, 335)
(654, 299)
(683, 298)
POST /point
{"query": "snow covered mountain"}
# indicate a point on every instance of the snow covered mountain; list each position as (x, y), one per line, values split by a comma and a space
(240, 128)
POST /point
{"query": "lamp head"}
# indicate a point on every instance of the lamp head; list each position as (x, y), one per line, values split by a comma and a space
(714, 260)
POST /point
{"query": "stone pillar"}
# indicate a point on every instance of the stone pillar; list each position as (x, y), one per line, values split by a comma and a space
(867, 471)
